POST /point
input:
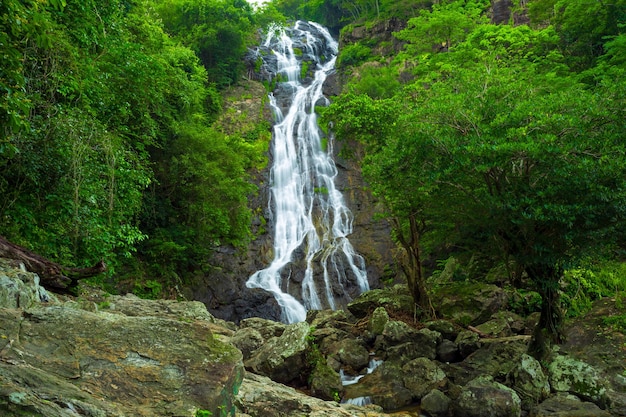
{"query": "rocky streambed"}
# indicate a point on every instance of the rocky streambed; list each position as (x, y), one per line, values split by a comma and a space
(101, 355)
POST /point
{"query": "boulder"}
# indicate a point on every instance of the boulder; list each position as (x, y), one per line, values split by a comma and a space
(247, 340)
(484, 397)
(352, 354)
(398, 339)
(59, 360)
(468, 342)
(324, 382)
(421, 376)
(496, 360)
(396, 298)
(448, 351)
(469, 302)
(567, 374)
(447, 329)
(338, 319)
(377, 321)
(562, 405)
(435, 403)
(529, 381)
(18, 288)
(260, 396)
(283, 358)
(383, 386)
(267, 328)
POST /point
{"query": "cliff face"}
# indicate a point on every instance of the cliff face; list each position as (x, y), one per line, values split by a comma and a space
(223, 288)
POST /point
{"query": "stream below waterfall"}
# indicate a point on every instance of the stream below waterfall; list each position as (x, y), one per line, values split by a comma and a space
(314, 265)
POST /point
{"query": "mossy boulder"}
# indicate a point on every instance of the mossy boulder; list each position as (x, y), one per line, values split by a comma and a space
(58, 358)
(421, 376)
(484, 397)
(377, 321)
(396, 298)
(324, 382)
(529, 381)
(283, 358)
(567, 374)
(469, 302)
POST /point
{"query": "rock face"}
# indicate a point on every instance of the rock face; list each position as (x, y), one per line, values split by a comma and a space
(223, 288)
(140, 359)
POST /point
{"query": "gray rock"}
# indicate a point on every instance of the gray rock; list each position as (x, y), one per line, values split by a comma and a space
(62, 361)
(267, 328)
(567, 374)
(483, 397)
(530, 382)
(447, 329)
(283, 358)
(422, 375)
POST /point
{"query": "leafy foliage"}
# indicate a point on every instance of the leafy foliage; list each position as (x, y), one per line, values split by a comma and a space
(107, 149)
(495, 144)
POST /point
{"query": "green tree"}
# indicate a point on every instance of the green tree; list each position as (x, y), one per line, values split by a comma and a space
(217, 31)
(497, 139)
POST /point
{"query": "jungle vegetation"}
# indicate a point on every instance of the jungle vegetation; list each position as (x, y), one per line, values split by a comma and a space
(502, 142)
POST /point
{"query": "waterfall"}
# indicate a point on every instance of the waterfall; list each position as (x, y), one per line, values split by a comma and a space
(314, 262)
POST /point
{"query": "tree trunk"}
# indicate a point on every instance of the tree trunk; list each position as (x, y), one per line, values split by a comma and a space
(52, 275)
(549, 329)
(413, 266)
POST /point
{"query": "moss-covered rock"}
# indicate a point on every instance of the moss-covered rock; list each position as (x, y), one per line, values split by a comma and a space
(567, 374)
(529, 381)
(484, 397)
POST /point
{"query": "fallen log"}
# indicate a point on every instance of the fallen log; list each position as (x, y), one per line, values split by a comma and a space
(52, 276)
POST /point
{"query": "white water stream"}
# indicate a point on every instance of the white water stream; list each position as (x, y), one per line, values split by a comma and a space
(310, 218)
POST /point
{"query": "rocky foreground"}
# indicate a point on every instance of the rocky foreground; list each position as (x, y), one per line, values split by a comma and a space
(99, 355)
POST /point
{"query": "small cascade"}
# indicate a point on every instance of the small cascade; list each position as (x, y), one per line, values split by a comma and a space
(314, 265)
(350, 380)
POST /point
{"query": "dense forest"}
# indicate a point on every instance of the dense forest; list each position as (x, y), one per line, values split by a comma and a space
(501, 144)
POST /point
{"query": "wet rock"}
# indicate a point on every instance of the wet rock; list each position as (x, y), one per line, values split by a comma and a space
(484, 397)
(529, 381)
(567, 406)
(400, 341)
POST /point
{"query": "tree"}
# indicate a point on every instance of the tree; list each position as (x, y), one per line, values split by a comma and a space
(530, 159)
(499, 140)
(390, 172)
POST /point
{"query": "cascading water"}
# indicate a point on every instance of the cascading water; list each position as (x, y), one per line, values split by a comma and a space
(310, 218)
